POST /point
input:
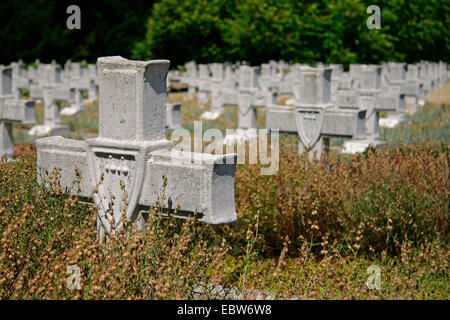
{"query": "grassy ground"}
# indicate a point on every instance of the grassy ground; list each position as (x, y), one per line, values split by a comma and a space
(310, 231)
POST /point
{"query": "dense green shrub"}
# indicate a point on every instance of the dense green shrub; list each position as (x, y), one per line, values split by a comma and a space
(36, 29)
(297, 31)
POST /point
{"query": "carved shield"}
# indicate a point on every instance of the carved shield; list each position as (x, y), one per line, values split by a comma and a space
(368, 102)
(117, 175)
(216, 97)
(245, 103)
(309, 124)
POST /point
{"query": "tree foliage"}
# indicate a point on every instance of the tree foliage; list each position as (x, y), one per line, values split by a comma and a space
(36, 29)
(332, 31)
(256, 31)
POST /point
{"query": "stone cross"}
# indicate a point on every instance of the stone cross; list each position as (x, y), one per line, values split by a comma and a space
(173, 116)
(230, 81)
(52, 92)
(413, 89)
(123, 167)
(190, 77)
(314, 116)
(336, 73)
(218, 77)
(251, 97)
(93, 82)
(443, 72)
(20, 79)
(12, 110)
(366, 97)
(248, 96)
(266, 78)
(393, 95)
(203, 81)
(78, 81)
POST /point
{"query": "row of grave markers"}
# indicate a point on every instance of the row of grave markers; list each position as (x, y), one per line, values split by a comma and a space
(327, 102)
(348, 101)
(52, 85)
(346, 95)
(122, 168)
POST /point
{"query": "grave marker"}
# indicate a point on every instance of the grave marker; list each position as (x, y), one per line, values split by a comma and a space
(366, 98)
(314, 116)
(12, 110)
(131, 151)
(52, 92)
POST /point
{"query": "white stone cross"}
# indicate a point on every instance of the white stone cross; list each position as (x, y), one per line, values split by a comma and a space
(12, 110)
(313, 116)
(366, 97)
(393, 95)
(128, 159)
(203, 81)
(52, 92)
(77, 79)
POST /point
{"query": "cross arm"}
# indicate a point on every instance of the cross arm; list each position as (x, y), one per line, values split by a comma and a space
(204, 186)
(18, 110)
(69, 155)
(339, 123)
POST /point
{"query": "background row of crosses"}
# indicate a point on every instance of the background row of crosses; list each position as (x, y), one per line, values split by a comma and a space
(253, 88)
(343, 113)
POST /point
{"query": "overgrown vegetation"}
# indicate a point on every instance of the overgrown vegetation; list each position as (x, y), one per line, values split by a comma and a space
(310, 231)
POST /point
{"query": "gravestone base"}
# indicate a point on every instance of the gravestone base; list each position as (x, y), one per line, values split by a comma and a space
(411, 104)
(49, 130)
(359, 146)
(211, 115)
(391, 121)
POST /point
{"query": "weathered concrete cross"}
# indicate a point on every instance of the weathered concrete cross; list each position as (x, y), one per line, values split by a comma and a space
(78, 81)
(394, 96)
(127, 160)
(247, 95)
(313, 116)
(12, 110)
(52, 91)
(366, 97)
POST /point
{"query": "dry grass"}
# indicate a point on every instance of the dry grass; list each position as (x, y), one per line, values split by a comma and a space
(439, 96)
(310, 231)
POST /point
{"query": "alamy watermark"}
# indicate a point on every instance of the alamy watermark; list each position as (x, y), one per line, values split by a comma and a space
(374, 20)
(374, 280)
(258, 148)
(74, 20)
(74, 279)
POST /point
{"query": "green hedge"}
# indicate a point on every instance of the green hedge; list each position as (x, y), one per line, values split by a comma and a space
(332, 31)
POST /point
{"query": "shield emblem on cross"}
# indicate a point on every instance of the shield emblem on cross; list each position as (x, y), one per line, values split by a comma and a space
(309, 124)
(368, 102)
(117, 175)
(245, 102)
(217, 97)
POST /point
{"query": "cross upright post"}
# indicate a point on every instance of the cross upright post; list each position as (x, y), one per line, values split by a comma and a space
(313, 116)
(52, 91)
